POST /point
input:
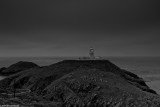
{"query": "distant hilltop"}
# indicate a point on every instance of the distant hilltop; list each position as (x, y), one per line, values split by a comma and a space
(17, 67)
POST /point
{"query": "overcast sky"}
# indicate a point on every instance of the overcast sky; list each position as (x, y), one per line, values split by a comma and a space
(71, 27)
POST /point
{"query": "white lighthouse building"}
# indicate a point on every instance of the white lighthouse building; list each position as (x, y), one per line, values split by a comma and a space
(91, 53)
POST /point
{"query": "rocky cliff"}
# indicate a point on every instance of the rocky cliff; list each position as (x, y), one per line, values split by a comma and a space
(82, 83)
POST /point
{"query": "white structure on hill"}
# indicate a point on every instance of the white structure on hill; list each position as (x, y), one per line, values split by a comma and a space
(91, 53)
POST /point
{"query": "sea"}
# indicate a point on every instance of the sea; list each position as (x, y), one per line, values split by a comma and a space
(147, 68)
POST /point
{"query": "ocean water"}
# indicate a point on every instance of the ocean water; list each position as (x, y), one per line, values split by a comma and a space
(146, 67)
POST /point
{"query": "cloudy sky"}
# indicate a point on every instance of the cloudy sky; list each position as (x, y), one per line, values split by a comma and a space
(71, 27)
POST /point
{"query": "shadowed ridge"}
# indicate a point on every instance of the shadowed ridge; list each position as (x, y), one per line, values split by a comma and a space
(104, 65)
(17, 67)
(41, 77)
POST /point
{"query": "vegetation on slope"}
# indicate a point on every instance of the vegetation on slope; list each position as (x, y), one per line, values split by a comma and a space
(82, 83)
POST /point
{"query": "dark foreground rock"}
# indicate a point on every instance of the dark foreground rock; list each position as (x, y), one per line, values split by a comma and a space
(17, 67)
(80, 83)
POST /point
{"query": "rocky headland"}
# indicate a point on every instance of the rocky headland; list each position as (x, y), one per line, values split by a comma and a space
(17, 67)
(78, 83)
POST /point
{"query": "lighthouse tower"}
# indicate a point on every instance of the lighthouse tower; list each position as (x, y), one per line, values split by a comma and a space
(91, 53)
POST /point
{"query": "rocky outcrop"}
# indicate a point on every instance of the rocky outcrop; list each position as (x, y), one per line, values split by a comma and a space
(17, 67)
(83, 83)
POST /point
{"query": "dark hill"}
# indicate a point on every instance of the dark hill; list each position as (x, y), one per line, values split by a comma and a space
(2, 69)
(84, 83)
(17, 67)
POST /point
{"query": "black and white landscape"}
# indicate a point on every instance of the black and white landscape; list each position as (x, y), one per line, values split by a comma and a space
(80, 53)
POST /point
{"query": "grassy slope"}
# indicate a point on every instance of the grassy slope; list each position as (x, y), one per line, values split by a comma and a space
(85, 82)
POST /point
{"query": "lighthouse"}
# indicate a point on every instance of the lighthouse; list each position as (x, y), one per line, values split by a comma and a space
(91, 53)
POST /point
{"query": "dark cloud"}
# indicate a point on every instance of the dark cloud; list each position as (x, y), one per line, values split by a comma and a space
(103, 13)
(115, 27)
